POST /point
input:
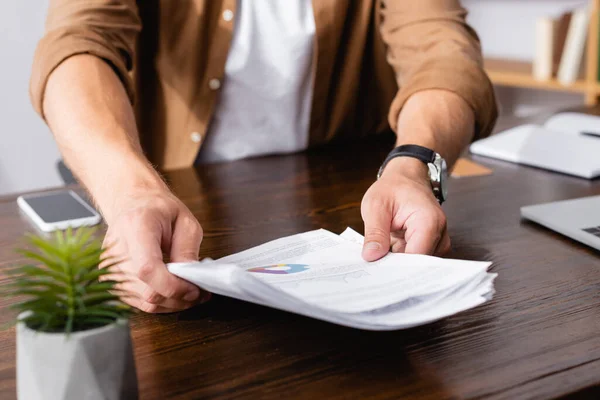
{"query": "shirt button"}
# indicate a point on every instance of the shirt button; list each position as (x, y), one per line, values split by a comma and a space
(227, 15)
(196, 137)
(214, 84)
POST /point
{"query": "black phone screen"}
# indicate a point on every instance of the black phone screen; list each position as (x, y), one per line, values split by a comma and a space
(57, 207)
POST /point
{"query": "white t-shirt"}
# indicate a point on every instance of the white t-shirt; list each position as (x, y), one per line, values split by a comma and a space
(266, 93)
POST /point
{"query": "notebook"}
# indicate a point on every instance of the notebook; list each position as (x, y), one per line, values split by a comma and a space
(568, 143)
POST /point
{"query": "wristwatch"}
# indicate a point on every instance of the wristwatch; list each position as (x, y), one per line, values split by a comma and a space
(438, 170)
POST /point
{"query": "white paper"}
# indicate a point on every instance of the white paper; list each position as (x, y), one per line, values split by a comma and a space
(322, 275)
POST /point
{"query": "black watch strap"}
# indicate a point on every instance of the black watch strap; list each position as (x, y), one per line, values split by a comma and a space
(409, 150)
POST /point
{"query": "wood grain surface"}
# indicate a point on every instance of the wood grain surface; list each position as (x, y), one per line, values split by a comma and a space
(539, 337)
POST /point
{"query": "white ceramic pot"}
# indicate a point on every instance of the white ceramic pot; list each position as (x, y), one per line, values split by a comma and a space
(93, 364)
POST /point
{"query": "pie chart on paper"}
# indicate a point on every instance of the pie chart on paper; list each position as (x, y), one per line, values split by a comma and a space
(279, 269)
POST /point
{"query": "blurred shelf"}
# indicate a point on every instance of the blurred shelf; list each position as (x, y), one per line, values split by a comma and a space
(519, 74)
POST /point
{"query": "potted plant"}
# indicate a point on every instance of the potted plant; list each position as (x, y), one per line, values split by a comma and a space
(73, 338)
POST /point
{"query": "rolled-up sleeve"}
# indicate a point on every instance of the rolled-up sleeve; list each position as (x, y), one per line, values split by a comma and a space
(107, 29)
(430, 46)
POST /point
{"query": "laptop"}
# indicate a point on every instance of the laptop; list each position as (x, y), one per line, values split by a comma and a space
(568, 143)
(578, 219)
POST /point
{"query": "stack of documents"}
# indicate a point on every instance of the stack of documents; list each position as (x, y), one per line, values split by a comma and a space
(322, 275)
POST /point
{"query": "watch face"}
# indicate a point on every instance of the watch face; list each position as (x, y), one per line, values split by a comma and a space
(438, 174)
(444, 180)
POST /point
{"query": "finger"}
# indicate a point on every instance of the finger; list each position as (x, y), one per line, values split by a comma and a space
(422, 236)
(143, 297)
(152, 308)
(133, 287)
(187, 236)
(113, 250)
(444, 246)
(156, 309)
(129, 286)
(378, 220)
(398, 243)
(144, 243)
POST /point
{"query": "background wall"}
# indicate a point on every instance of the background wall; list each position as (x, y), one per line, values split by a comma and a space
(506, 29)
(28, 153)
(27, 150)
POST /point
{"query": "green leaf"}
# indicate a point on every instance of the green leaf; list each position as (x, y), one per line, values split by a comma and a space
(89, 262)
(99, 298)
(116, 307)
(50, 300)
(94, 290)
(80, 303)
(41, 294)
(69, 324)
(36, 283)
(83, 236)
(59, 239)
(94, 247)
(36, 321)
(54, 263)
(46, 246)
(93, 276)
(33, 271)
(99, 287)
(38, 305)
(77, 237)
(43, 321)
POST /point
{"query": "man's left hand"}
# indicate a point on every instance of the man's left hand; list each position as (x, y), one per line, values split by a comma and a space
(401, 213)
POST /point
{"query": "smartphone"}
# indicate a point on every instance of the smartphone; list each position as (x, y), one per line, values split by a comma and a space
(58, 210)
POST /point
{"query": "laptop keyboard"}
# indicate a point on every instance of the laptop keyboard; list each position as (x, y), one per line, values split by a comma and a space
(594, 231)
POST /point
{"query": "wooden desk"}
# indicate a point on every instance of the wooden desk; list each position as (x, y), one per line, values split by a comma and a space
(538, 338)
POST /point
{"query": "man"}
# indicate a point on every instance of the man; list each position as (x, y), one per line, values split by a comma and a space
(219, 80)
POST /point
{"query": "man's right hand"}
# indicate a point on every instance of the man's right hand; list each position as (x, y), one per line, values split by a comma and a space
(145, 226)
(88, 110)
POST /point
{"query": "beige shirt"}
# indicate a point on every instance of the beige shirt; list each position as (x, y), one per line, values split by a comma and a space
(369, 57)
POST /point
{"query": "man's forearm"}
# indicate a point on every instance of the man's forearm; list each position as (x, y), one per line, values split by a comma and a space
(436, 119)
(439, 120)
(89, 113)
